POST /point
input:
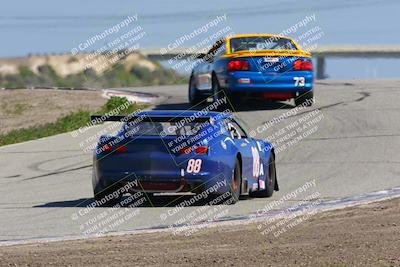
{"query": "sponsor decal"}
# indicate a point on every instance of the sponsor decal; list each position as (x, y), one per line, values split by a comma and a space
(271, 59)
(256, 162)
(255, 187)
(261, 183)
(223, 145)
(259, 146)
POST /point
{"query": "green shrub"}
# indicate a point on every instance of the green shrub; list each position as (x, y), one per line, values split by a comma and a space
(25, 72)
(115, 76)
(64, 124)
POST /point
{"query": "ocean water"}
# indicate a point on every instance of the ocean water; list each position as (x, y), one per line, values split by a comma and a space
(37, 27)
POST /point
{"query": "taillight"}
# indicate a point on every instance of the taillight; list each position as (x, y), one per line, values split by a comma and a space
(302, 65)
(121, 149)
(197, 150)
(185, 150)
(106, 148)
(201, 149)
(238, 65)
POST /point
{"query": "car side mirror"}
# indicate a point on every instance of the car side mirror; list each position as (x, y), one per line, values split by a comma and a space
(201, 55)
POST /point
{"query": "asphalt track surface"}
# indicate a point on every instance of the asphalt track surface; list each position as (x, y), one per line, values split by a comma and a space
(44, 184)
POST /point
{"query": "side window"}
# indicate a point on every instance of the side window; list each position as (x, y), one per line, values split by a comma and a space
(243, 126)
(235, 130)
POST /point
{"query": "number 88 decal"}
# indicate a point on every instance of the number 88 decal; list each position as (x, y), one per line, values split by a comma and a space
(194, 166)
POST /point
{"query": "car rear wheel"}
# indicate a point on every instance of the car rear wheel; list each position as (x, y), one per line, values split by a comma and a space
(306, 98)
(194, 96)
(236, 182)
(218, 94)
(107, 195)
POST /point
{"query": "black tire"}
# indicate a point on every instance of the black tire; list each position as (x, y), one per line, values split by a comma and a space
(218, 94)
(270, 185)
(236, 183)
(101, 191)
(193, 94)
(149, 196)
(235, 98)
(305, 98)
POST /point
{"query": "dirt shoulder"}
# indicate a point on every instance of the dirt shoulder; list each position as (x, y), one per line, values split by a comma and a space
(23, 108)
(367, 235)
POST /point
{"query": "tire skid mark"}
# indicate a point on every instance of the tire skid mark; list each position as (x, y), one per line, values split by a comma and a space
(12, 176)
(352, 137)
(36, 166)
(57, 172)
(363, 97)
(39, 151)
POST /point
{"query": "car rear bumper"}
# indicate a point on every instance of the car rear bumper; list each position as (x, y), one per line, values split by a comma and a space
(168, 183)
(257, 82)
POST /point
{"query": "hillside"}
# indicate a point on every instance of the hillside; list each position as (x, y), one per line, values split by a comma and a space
(84, 70)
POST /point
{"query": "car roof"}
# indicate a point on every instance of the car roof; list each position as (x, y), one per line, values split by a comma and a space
(238, 35)
(184, 114)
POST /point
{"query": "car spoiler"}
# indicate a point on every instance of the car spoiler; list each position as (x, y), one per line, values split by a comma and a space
(270, 53)
(103, 118)
(95, 119)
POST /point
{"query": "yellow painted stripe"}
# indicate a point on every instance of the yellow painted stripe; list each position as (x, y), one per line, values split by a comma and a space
(269, 53)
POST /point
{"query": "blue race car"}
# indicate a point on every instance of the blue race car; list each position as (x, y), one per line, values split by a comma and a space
(265, 66)
(182, 151)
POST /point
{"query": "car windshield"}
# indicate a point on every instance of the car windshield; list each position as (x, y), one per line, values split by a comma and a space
(164, 128)
(255, 43)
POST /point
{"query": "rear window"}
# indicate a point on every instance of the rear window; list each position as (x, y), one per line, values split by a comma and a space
(255, 43)
(164, 128)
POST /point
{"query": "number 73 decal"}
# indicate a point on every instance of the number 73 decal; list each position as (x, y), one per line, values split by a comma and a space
(299, 81)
